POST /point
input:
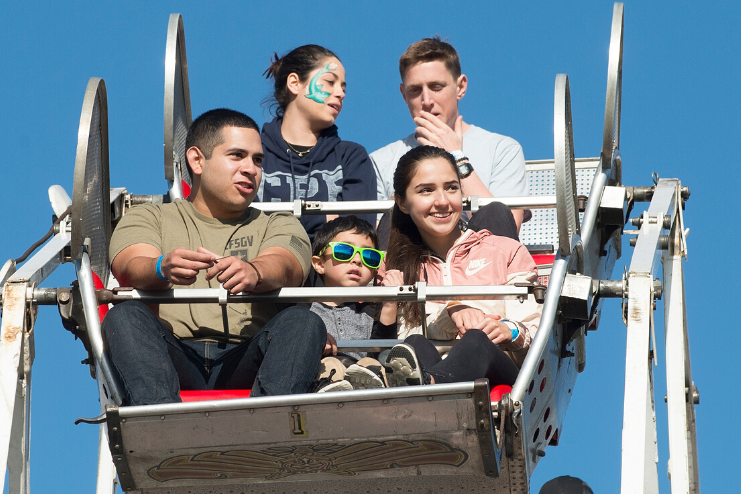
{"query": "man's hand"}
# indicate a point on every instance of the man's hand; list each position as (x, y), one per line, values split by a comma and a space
(431, 131)
(181, 266)
(233, 273)
(330, 347)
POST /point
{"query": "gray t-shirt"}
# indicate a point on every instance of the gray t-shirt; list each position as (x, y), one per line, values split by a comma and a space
(352, 321)
(179, 224)
(498, 161)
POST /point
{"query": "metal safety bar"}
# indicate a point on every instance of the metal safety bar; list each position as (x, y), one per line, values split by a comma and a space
(301, 206)
(296, 399)
(337, 294)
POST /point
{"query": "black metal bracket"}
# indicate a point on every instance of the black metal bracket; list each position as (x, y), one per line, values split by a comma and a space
(490, 453)
(116, 445)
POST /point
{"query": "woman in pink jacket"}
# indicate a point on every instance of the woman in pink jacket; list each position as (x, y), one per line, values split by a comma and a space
(426, 244)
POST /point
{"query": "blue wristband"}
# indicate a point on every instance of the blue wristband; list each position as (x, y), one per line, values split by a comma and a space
(512, 327)
(158, 269)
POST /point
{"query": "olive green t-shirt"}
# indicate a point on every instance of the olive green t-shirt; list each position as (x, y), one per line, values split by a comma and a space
(179, 224)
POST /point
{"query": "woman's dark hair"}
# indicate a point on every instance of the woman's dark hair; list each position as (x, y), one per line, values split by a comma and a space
(406, 246)
(301, 61)
(342, 224)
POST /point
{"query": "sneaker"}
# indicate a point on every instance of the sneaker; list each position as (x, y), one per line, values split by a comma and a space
(336, 386)
(363, 377)
(324, 384)
(330, 364)
(403, 368)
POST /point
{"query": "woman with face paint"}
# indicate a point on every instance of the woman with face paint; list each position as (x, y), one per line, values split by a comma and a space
(426, 244)
(304, 156)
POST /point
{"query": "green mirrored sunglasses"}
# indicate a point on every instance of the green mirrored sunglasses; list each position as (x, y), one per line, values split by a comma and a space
(345, 252)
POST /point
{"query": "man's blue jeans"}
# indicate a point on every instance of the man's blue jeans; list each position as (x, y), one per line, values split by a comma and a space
(153, 365)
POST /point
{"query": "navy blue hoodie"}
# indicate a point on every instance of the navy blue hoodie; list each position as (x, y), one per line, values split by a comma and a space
(334, 170)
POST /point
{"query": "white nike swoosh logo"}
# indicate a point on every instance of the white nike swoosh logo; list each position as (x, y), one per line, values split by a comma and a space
(471, 272)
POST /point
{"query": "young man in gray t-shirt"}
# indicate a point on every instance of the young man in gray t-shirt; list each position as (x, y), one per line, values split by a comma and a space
(491, 165)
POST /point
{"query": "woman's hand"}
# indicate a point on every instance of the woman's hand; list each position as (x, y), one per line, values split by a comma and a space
(497, 331)
(465, 317)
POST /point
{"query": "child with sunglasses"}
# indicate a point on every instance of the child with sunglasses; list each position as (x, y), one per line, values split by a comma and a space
(345, 254)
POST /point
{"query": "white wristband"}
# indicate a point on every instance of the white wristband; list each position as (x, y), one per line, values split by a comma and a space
(458, 154)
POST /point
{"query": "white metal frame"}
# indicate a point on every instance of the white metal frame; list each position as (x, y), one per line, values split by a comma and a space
(660, 243)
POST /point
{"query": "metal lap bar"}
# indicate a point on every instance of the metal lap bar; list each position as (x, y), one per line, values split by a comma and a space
(369, 207)
(340, 294)
(296, 400)
(640, 453)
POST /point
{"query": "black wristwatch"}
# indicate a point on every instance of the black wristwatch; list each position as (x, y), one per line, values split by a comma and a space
(464, 169)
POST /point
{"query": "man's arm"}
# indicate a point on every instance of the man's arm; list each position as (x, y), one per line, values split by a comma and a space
(136, 266)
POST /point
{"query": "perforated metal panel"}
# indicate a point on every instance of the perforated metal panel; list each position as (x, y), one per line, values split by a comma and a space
(177, 99)
(542, 229)
(181, 120)
(91, 211)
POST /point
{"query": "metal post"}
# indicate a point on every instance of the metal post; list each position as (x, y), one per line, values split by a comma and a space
(13, 385)
(18, 459)
(683, 468)
(640, 454)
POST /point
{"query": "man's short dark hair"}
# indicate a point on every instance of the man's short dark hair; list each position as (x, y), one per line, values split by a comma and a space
(432, 49)
(205, 131)
(343, 224)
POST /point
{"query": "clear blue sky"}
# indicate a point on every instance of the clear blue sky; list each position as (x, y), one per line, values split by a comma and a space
(680, 118)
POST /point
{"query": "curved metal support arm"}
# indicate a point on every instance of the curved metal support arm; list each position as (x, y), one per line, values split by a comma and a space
(547, 321)
(90, 306)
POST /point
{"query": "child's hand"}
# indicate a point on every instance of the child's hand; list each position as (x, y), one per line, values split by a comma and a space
(393, 277)
(330, 347)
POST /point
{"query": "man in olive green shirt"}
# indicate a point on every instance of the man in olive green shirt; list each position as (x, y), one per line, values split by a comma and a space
(214, 237)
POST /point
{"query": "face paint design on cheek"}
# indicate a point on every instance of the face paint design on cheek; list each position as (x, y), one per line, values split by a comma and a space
(315, 90)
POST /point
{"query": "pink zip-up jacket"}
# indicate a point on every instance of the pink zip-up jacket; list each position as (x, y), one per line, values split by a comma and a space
(480, 258)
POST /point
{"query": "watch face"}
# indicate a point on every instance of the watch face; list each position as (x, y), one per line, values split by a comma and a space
(465, 169)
